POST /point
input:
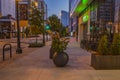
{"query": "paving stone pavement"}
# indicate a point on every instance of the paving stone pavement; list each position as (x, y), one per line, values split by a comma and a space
(37, 66)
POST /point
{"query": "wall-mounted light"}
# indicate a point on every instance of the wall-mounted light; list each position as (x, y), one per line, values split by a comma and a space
(85, 18)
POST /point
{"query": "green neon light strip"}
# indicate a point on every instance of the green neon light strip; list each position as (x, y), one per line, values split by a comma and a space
(84, 1)
(82, 6)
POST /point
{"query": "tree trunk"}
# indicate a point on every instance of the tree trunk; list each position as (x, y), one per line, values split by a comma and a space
(44, 38)
(36, 40)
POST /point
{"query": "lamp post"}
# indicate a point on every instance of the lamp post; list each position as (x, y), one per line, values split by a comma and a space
(42, 6)
(18, 50)
(44, 36)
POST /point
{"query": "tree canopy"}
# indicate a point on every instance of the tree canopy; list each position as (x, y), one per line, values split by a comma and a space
(37, 19)
(54, 23)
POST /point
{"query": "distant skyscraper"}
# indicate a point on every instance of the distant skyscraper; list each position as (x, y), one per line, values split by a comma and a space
(7, 7)
(65, 18)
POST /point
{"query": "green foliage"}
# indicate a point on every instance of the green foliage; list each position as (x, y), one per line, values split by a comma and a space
(64, 32)
(34, 30)
(36, 18)
(59, 44)
(115, 47)
(103, 45)
(27, 31)
(54, 23)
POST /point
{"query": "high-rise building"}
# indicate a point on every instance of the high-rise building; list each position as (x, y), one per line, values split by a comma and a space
(24, 11)
(102, 18)
(105, 12)
(7, 7)
(80, 15)
(65, 18)
(42, 6)
(94, 17)
(117, 16)
(23, 15)
(7, 18)
(73, 20)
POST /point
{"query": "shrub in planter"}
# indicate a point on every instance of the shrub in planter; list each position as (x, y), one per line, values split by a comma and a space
(107, 59)
(36, 44)
(115, 47)
(58, 45)
(54, 47)
(103, 45)
(60, 58)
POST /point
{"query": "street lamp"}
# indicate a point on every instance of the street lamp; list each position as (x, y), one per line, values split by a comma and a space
(42, 9)
(18, 50)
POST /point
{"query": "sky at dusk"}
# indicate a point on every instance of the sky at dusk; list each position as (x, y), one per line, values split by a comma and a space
(55, 6)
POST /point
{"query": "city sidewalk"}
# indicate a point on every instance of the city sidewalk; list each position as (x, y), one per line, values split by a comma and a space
(37, 66)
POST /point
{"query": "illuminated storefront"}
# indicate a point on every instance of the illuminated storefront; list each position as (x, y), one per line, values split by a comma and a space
(84, 26)
(93, 17)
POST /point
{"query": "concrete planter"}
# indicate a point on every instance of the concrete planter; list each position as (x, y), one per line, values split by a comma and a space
(105, 61)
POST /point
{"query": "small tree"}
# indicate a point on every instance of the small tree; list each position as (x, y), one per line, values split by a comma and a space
(63, 32)
(115, 47)
(103, 45)
(35, 30)
(36, 21)
(54, 23)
